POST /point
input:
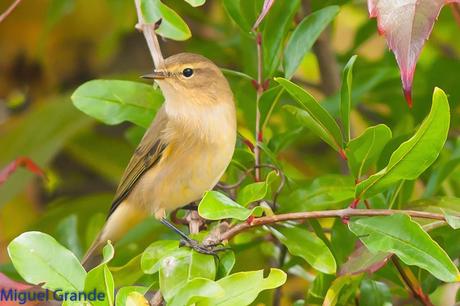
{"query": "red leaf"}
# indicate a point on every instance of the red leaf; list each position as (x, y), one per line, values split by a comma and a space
(265, 9)
(20, 162)
(406, 25)
(362, 260)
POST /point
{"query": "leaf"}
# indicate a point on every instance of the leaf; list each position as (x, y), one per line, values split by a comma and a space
(415, 155)
(255, 191)
(40, 259)
(195, 290)
(124, 293)
(243, 288)
(325, 192)
(234, 11)
(196, 3)
(67, 234)
(363, 260)
(226, 262)
(345, 96)
(172, 25)
(304, 36)
(57, 10)
(312, 115)
(25, 162)
(181, 266)
(100, 279)
(452, 219)
(400, 235)
(301, 242)
(217, 206)
(113, 102)
(136, 299)
(276, 25)
(374, 293)
(334, 292)
(265, 9)
(364, 150)
(154, 253)
(406, 26)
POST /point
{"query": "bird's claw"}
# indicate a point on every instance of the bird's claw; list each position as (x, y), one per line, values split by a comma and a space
(201, 248)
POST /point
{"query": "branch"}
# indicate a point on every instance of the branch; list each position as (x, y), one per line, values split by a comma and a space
(339, 213)
(150, 36)
(9, 10)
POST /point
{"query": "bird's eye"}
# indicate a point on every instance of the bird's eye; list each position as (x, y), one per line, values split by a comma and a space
(187, 72)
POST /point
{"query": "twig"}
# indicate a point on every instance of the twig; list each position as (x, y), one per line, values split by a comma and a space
(150, 36)
(339, 213)
(260, 90)
(281, 259)
(9, 10)
(412, 283)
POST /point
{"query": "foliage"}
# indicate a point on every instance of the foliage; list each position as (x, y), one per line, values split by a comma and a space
(390, 162)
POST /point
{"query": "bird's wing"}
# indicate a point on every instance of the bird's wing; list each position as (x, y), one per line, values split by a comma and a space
(146, 156)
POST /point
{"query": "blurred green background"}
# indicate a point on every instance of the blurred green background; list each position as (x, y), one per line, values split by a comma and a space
(50, 47)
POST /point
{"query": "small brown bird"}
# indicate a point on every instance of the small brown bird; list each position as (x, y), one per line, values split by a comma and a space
(183, 153)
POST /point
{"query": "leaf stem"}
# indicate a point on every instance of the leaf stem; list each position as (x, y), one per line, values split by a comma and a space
(150, 36)
(339, 213)
(9, 10)
(260, 90)
(412, 283)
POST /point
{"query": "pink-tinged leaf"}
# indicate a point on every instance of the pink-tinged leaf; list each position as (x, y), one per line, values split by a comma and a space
(20, 162)
(265, 9)
(362, 260)
(406, 25)
(7, 284)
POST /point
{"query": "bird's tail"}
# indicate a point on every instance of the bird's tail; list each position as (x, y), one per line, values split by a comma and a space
(118, 224)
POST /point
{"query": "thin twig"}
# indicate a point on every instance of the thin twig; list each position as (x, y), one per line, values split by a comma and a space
(150, 35)
(260, 90)
(412, 283)
(9, 10)
(339, 213)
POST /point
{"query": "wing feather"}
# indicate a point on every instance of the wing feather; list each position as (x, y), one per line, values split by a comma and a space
(147, 155)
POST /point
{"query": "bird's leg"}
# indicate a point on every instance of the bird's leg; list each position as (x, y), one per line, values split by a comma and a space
(191, 243)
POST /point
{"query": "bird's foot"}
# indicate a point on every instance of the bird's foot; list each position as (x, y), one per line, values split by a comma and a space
(208, 249)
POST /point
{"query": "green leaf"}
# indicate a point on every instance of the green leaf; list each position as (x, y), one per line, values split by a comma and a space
(183, 265)
(226, 263)
(452, 219)
(373, 293)
(325, 192)
(364, 150)
(113, 102)
(400, 235)
(276, 25)
(313, 115)
(154, 253)
(255, 191)
(217, 206)
(67, 234)
(172, 25)
(345, 96)
(129, 273)
(233, 9)
(362, 260)
(333, 293)
(57, 10)
(304, 36)
(39, 258)
(123, 293)
(243, 288)
(100, 279)
(301, 242)
(196, 3)
(195, 290)
(415, 155)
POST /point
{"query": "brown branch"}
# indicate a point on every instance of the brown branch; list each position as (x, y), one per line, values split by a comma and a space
(339, 213)
(9, 10)
(412, 283)
(150, 36)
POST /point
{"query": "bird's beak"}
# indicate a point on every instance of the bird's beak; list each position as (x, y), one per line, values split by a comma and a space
(156, 75)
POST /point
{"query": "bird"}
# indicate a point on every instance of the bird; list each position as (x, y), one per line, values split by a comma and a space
(183, 153)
